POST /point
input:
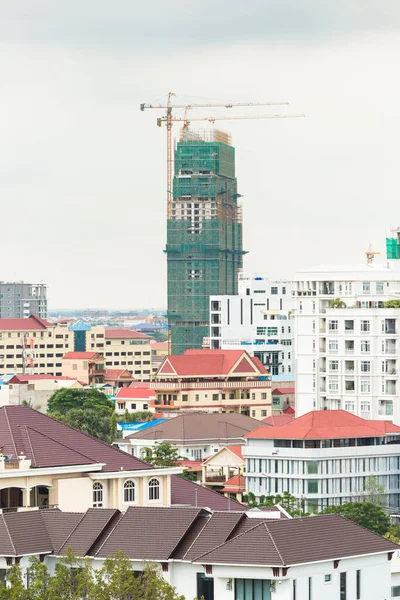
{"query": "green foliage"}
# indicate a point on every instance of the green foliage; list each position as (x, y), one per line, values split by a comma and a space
(374, 491)
(337, 303)
(135, 416)
(392, 304)
(288, 502)
(393, 533)
(369, 515)
(189, 475)
(75, 579)
(162, 455)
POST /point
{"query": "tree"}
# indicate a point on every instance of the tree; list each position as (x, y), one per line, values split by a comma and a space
(393, 533)
(162, 455)
(66, 399)
(39, 580)
(392, 304)
(374, 491)
(337, 303)
(135, 416)
(367, 514)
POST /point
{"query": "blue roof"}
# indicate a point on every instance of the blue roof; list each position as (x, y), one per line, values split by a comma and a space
(139, 426)
(283, 377)
(79, 326)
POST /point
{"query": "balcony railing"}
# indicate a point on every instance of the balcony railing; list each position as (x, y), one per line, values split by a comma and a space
(208, 385)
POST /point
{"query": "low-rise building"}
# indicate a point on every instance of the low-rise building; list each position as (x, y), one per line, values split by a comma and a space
(132, 399)
(47, 463)
(87, 367)
(325, 458)
(214, 555)
(282, 398)
(34, 390)
(196, 436)
(33, 345)
(213, 381)
(222, 466)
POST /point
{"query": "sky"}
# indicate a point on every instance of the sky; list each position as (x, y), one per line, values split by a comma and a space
(82, 169)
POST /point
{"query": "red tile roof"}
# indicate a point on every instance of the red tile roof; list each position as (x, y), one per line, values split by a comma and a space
(235, 484)
(238, 450)
(325, 424)
(31, 323)
(117, 374)
(283, 391)
(26, 378)
(211, 363)
(159, 345)
(139, 384)
(135, 393)
(277, 420)
(289, 410)
(80, 355)
(121, 334)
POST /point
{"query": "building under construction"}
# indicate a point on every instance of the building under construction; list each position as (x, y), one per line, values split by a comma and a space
(204, 233)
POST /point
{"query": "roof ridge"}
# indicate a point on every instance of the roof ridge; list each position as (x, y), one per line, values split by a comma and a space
(8, 533)
(71, 532)
(26, 427)
(197, 536)
(112, 529)
(196, 516)
(10, 430)
(228, 541)
(273, 542)
(115, 513)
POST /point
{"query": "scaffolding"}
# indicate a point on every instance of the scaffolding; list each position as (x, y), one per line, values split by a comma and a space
(204, 234)
(393, 245)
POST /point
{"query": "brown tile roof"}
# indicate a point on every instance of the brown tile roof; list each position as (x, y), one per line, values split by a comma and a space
(287, 542)
(88, 530)
(59, 525)
(149, 532)
(23, 533)
(189, 493)
(219, 427)
(216, 531)
(49, 443)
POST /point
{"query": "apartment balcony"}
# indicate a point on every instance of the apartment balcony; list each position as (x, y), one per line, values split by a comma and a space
(390, 387)
(390, 348)
(209, 385)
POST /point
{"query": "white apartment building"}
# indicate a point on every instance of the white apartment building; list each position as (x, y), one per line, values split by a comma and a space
(348, 357)
(259, 319)
(324, 458)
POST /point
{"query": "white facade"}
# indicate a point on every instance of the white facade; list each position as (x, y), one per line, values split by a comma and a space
(322, 476)
(194, 450)
(348, 357)
(259, 320)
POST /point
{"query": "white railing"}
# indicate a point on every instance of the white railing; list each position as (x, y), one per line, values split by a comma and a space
(203, 385)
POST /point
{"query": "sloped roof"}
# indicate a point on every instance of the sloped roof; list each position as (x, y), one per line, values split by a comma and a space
(14, 540)
(31, 323)
(285, 542)
(222, 427)
(216, 531)
(116, 374)
(208, 363)
(24, 378)
(325, 424)
(289, 410)
(121, 333)
(283, 391)
(277, 420)
(88, 530)
(238, 450)
(49, 443)
(80, 355)
(189, 493)
(237, 483)
(135, 393)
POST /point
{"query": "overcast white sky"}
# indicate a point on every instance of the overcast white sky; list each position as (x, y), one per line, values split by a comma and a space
(82, 170)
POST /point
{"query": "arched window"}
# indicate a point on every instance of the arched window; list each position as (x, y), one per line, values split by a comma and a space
(154, 489)
(129, 491)
(97, 495)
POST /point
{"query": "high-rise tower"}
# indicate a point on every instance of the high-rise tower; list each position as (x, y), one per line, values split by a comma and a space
(204, 234)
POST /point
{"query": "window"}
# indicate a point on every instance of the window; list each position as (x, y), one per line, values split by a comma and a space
(365, 406)
(154, 489)
(312, 486)
(333, 345)
(310, 588)
(332, 325)
(333, 385)
(294, 590)
(333, 365)
(349, 385)
(251, 589)
(349, 405)
(215, 396)
(312, 467)
(349, 325)
(365, 366)
(129, 491)
(263, 413)
(365, 326)
(97, 495)
(365, 346)
(366, 287)
(343, 587)
(185, 397)
(365, 386)
(263, 396)
(396, 591)
(358, 584)
(274, 290)
(379, 287)
(327, 578)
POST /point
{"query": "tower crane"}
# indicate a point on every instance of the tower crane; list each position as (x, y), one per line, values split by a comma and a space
(169, 119)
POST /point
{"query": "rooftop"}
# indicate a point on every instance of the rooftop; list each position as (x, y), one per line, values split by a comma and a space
(326, 424)
(211, 363)
(134, 394)
(122, 333)
(81, 355)
(278, 420)
(31, 323)
(283, 391)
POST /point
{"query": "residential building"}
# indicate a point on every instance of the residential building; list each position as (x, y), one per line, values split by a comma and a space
(214, 381)
(33, 345)
(159, 351)
(204, 234)
(131, 399)
(87, 367)
(348, 353)
(196, 436)
(221, 467)
(282, 398)
(19, 300)
(118, 378)
(235, 487)
(214, 555)
(47, 463)
(34, 390)
(325, 458)
(258, 319)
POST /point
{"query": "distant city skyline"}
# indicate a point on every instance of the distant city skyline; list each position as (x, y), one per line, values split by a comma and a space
(82, 170)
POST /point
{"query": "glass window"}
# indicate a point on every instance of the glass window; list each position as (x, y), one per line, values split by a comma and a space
(349, 385)
(333, 365)
(396, 591)
(333, 345)
(365, 326)
(333, 385)
(97, 495)
(365, 366)
(365, 386)
(365, 406)
(358, 584)
(343, 586)
(365, 346)
(379, 287)
(129, 491)
(327, 578)
(366, 287)
(333, 325)
(312, 486)
(154, 489)
(312, 467)
(274, 290)
(252, 589)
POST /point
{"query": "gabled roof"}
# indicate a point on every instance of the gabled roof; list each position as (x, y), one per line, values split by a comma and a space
(32, 323)
(211, 363)
(225, 428)
(81, 355)
(283, 391)
(289, 410)
(139, 384)
(121, 334)
(49, 443)
(286, 542)
(117, 374)
(277, 420)
(238, 450)
(325, 424)
(135, 394)
(24, 378)
(189, 493)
